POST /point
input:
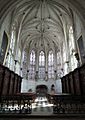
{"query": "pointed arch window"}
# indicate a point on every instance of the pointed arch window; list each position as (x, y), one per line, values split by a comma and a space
(42, 65)
(71, 39)
(18, 62)
(59, 63)
(50, 64)
(3, 47)
(24, 70)
(12, 43)
(32, 66)
(10, 58)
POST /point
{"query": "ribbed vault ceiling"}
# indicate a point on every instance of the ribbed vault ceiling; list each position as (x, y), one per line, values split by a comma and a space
(41, 23)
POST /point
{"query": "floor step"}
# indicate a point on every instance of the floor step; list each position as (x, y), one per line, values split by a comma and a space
(42, 117)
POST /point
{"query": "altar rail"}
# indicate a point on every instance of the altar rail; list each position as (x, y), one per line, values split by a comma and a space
(67, 104)
(10, 82)
(74, 82)
(17, 104)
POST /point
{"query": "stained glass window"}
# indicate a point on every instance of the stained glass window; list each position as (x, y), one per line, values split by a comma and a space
(32, 65)
(50, 64)
(12, 44)
(59, 71)
(10, 58)
(24, 70)
(42, 65)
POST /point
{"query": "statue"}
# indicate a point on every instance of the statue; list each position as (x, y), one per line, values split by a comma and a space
(52, 89)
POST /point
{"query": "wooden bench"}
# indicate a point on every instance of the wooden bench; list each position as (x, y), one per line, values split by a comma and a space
(18, 103)
(66, 103)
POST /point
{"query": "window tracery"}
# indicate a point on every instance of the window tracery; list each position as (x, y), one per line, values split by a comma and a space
(24, 70)
(12, 43)
(50, 64)
(42, 65)
(32, 66)
(58, 64)
(10, 58)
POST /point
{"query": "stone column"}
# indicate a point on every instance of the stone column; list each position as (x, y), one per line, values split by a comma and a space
(46, 75)
(55, 60)
(37, 60)
(55, 64)
(15, 65)
(21, 62)
(28, 63)
(37, 65)
(46, 62)
(18, 35)
(67, 47)
(61, 52)
(46, 66)
(76, 54)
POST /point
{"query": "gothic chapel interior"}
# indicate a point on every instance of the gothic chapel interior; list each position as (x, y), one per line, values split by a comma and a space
(42, 51)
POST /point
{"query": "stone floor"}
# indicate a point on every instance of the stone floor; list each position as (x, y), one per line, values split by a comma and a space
(42, 107)
(42, 119)
(42, 110)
